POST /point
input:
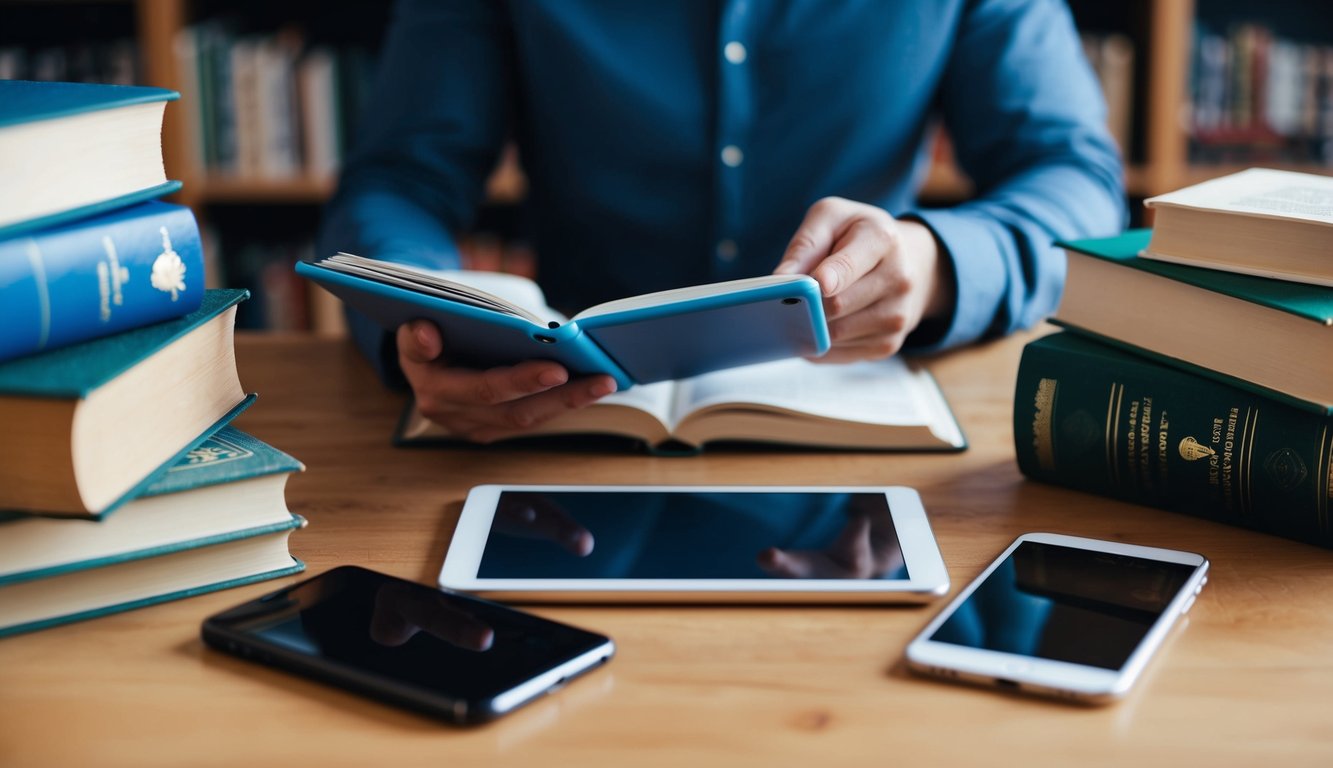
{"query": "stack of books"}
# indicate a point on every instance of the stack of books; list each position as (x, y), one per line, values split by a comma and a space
(121, 483)
(1195, 372)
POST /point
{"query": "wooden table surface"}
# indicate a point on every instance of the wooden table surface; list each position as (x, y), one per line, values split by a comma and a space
(1246, 681)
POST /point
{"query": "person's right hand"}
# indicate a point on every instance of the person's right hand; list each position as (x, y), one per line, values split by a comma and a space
(484, 406)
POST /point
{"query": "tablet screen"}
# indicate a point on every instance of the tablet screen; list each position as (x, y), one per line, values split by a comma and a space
(692, 535)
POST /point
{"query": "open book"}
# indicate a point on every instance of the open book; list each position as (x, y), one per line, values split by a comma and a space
(489, 319)
(879, 405)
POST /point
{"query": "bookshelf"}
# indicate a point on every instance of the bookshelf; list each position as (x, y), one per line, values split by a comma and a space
(1156, 89)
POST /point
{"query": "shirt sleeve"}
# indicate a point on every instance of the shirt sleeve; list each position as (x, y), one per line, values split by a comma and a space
(1028, 124)
(430, 135)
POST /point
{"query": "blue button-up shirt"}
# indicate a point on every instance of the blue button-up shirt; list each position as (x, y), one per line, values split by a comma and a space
(677, 143)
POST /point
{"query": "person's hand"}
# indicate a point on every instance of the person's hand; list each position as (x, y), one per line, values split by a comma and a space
(484, 406)
(879, 276)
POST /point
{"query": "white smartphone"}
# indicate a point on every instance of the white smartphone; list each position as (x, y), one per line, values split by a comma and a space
(705, 544)
(1061, 616)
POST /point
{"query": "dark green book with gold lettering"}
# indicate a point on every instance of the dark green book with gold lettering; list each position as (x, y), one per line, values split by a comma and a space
(1095, 418)
(1272, 337)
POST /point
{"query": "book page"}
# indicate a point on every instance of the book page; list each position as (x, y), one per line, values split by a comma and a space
(1260, 192)
(496, 291)
(876, 392)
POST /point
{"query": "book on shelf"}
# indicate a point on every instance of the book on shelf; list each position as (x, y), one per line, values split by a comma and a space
(1111, 56)
(75, 149)
(1095, 418)
(98, 276)
(1264, 222)
(89, 425)
(870, 405)
(1250, 332)
(225, 498)
(490, 319)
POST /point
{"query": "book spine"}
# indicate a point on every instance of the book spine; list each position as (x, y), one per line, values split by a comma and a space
(1092, 418)
(99, 276)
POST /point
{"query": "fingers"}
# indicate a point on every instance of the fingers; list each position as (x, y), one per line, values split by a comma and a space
(419, 342)
(488, 423)
(813, 240)
(493, 404)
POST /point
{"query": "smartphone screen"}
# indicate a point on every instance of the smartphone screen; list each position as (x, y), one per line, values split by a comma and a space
(1062, 616)
(1054, 602)
(449, 654)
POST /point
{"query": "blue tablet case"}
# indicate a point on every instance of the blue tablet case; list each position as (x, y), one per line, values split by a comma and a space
(659, 342)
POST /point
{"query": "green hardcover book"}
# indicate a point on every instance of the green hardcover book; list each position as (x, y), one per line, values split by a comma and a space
(1271, 337)
(88, 426)
(1095, 418)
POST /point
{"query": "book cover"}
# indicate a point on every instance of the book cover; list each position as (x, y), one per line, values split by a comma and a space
(639, 340)
(24, 101)
(77, 370)
(207, 496)
(1094, 418)
(99, 276)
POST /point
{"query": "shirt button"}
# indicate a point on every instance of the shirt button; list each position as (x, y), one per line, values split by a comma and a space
(726, 250)
(732, 155)
(735, 52)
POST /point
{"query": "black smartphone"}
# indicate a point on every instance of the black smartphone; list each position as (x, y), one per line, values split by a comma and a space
(450, 655)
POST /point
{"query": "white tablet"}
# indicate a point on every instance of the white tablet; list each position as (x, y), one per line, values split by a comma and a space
(638, 543)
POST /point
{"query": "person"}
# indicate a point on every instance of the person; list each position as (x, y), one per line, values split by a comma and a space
(672, 144)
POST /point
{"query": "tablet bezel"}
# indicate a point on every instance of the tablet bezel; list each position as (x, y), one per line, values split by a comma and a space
(928, 577)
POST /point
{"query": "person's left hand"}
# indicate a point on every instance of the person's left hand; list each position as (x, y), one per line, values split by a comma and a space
(879, 276)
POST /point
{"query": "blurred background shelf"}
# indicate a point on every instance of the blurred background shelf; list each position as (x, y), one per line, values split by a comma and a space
(271, 92)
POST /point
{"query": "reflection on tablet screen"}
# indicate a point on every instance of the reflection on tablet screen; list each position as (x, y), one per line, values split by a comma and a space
(688, 535)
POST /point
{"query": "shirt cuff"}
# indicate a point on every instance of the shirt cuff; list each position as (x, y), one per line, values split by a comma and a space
(980, 279)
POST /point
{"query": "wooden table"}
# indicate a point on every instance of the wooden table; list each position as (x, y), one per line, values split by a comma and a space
(1247, 681)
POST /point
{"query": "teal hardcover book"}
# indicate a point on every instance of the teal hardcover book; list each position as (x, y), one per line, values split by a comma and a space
(655, 337)
(117, 131)
(231, 482)
(90, 425)
(1266, 336)
(244, 557)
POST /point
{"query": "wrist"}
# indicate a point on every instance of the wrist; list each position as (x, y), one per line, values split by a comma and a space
(920, 245)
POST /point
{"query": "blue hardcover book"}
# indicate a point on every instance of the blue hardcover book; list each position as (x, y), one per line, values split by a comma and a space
(74, 149)
(90, 425)
(98, 276)
(638, 340)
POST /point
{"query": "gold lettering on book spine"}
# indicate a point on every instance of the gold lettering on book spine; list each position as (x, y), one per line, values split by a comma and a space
(1042, 443)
